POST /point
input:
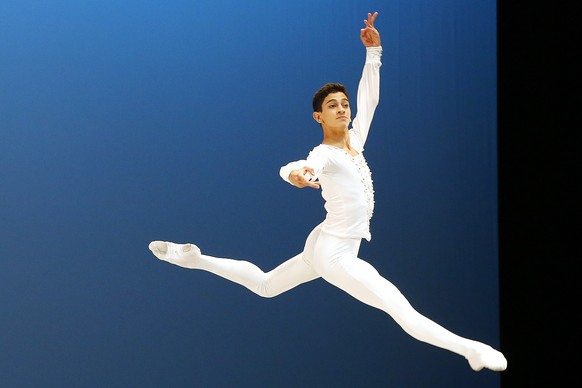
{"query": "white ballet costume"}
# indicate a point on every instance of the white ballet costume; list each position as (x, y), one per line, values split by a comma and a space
(331, 249)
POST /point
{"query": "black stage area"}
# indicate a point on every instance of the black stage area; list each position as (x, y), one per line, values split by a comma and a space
(539, 231)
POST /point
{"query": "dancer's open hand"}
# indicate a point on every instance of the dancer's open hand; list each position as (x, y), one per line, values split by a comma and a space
(302, 178)
(370, 36)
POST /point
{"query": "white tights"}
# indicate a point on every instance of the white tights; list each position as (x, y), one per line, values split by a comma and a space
(335, 260)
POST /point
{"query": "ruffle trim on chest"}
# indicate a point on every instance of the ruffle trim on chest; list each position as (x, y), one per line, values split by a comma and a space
(366, 178)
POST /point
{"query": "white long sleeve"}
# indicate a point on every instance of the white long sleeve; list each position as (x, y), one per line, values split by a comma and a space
(368, 96)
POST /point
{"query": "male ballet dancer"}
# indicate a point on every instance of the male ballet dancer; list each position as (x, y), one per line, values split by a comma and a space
(338, 166)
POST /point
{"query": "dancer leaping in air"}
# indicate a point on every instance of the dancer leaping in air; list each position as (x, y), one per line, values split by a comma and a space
(338, 167)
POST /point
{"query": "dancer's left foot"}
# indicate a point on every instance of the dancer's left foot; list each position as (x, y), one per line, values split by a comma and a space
(484, 356)
(184, 255)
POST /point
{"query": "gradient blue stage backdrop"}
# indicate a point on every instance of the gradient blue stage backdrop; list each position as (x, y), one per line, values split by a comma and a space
(123, 122)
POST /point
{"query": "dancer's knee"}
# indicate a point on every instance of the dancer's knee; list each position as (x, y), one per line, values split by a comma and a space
(271, 286)
(266, 293)
(263, 290)
(264, 287)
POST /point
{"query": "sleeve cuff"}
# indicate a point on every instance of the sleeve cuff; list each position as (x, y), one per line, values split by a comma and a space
(286, 170)
(373, 54)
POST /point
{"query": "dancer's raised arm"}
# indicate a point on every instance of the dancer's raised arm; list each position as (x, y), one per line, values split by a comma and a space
(369, 86)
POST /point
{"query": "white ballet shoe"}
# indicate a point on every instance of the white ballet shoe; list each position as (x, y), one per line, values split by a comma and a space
(183, 255)
(484, 356)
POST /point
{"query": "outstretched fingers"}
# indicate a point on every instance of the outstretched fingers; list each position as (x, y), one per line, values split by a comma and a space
(371, 19)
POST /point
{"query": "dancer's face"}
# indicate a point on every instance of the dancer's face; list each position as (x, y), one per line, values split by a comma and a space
(335, 111)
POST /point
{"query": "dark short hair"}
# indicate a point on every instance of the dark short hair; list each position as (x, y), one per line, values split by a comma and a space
(324, 91)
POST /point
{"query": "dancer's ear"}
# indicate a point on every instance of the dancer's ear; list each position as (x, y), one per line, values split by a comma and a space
(317, 117)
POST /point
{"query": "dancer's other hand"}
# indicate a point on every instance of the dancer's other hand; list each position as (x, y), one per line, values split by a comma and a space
(301, 178)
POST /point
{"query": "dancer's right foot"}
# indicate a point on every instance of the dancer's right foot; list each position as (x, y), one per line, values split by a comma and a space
(184, 255)
(484, 356)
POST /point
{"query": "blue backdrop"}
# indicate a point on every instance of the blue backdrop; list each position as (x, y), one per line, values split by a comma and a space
(126, 122)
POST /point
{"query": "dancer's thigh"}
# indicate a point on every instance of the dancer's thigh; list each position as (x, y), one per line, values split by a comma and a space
(295, 271)
(310, 243)
(289, 274)
(337, 263)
